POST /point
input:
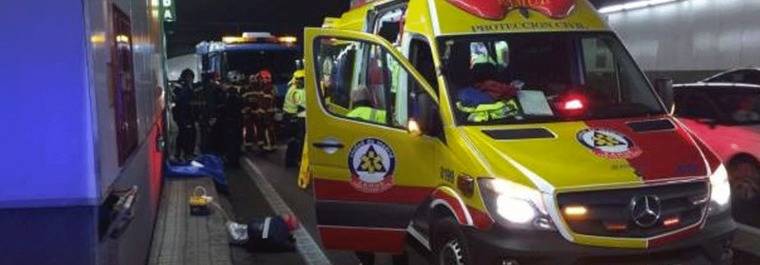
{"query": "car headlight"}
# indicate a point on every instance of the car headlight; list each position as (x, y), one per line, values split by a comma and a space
(515, 206)
(720, 191)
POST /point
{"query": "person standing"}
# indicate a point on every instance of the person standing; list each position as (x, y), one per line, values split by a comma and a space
(207, 99)
(264, 112)
(184, 116)
(249, 95)
(295, 113)
(229, 124)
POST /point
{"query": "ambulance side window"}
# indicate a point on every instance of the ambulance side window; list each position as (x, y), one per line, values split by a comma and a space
(406, 98)
(388, 23)
(357, 80)
(422, 59)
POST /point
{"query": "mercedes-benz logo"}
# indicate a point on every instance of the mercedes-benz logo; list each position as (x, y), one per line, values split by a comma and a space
(646, 210)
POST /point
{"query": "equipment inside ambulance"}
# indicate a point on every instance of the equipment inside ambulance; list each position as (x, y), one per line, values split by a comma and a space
(558, 73)
(502, 132)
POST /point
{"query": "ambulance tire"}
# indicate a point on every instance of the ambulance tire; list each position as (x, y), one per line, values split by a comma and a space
(449, 243)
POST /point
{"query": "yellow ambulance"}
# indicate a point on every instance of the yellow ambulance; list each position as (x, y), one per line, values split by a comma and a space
(502, 132)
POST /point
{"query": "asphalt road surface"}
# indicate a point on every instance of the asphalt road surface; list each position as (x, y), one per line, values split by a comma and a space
(249, 202)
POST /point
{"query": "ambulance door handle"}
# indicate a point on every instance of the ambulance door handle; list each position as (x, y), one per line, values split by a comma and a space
(325, 145)
(329, 145)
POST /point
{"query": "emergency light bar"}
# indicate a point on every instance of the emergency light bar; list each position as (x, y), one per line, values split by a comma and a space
(260, 37)
(633, 5)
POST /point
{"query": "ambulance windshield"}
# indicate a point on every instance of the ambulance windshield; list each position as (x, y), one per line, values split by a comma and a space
(544, 77)
(252, 61)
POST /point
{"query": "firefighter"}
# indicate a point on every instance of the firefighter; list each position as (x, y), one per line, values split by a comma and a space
(204, 108)
(214, 105)
(249, 95)
(264, 110)
(295, 113)
(183, 115)
(229, 123)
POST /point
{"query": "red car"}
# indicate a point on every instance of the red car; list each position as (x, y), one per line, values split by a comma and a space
(726, 116)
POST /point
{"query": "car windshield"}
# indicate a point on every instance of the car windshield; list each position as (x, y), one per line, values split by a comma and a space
(544, 77)
(741, 107)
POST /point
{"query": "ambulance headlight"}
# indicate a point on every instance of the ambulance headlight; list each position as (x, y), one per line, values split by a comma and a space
(515, 210)
(515, 206)
(720, 191)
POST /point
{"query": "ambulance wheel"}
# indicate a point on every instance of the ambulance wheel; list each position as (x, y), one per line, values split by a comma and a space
(449, 244)
(744, 176)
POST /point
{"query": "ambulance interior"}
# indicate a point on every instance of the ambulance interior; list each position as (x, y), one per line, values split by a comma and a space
(561, 76)
(357, 76)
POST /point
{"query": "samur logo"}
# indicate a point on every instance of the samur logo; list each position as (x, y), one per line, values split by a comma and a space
(372, 164)
(609, 144)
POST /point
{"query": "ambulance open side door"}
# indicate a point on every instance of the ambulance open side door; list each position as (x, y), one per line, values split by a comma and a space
(372, 166)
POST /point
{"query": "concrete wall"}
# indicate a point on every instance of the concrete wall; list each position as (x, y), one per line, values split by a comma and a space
(691, 39)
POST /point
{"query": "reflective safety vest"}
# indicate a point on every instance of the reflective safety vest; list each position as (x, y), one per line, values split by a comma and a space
(487, 112)
(295, 102)
(368, 114)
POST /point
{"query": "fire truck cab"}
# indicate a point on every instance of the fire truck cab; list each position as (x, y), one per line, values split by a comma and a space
(502, 132)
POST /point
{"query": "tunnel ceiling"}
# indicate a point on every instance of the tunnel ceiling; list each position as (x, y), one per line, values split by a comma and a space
(199, 20)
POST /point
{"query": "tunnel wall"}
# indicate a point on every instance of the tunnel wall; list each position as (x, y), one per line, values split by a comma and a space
(692, 39)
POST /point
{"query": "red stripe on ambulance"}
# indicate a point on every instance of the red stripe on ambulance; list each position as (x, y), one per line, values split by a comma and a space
(343, 191)
(364, 239)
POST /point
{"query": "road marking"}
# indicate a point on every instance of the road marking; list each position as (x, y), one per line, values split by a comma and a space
(308, 248)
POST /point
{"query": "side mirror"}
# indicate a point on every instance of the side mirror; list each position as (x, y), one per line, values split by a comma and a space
(664, 87)
(426, 120)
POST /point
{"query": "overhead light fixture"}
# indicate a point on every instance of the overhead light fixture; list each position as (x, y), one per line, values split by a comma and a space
(633, 5)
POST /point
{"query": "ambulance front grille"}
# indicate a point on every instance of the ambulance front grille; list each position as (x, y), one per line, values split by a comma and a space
(610, 213)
